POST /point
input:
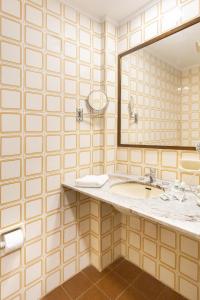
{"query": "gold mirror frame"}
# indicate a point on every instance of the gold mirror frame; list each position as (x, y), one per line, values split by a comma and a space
(120, 56)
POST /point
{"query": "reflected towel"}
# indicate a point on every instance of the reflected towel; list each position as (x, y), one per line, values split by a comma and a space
(92, 181)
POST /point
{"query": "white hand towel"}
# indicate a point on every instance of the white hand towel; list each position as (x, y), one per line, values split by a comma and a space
(92, 181)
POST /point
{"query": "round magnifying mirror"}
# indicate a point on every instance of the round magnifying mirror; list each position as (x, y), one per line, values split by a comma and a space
(97, 100)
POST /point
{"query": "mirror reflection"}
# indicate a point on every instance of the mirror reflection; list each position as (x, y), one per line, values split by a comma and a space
(160, 92)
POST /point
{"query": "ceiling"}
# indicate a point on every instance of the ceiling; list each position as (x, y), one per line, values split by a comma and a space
(116, 10)
(179, 49)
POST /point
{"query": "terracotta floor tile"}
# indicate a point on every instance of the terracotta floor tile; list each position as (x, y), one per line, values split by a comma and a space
(112, 285)
(127, 271)
(93, 294)
(77, 285)
(148, 285)
(57, 294)
(169, 294)
(93, 274)
(116, 263)
(131, 294)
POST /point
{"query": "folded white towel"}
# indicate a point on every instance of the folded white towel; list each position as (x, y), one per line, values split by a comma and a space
(92, 181)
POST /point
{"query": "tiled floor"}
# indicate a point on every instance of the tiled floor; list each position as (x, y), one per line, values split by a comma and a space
(122, 280)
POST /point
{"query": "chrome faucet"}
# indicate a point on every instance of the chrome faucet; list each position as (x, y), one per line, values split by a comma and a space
(151, 175)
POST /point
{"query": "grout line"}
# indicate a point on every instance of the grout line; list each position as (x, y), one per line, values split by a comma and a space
(131, 284)
(66, 292)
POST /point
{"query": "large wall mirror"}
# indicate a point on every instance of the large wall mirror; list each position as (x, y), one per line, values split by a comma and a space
(159, 91)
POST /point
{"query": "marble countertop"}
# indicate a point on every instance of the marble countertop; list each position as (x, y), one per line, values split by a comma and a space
(183, 216)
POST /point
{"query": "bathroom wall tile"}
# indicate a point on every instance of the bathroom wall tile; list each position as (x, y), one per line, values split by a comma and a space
(11, 76)
(53, 63)
(33, 37)
(149, 247)
(34, 58)
(33, 208)
(10, 52)
(10, 286)
(168, 237)
(10, 169)
(53, 123)
(188, 289)
(189, 246)
(85, 21)
(150, 229)
(151, 13)
(53, 222)
(54, 6)
(70, 270)
(53, 143)
(53, 44)
(34, 123)
(34, 292)
(70, 14)
(33, 251)
(70, 160)
(53, 202)
(167, 277)
(33, 166)
(53, 241)
(10, 216)
(168, 257)
(34, 101)
(52, 281)
(70, 86)
(12, 8)
(190, 10)
(70, 68)
(149, 265)
(10, 262)
(33, 272)
(34, 80)
(53, 23)
(33, 187)
(151, 30)
(10, 99)
(53, 182)
(10, 123)
(10, 146)
(70, 31)
(168, 4)
(10, 29)
(189, 268)
(53, 103)
(33, 144)
(53, 261)
(10, 192)
(70, 50)
(34, 15)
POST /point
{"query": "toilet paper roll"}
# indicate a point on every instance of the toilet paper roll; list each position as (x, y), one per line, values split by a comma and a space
(13, 240)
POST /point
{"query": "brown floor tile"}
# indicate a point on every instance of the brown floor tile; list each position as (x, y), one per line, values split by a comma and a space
(127, 271)
(131, 294)
(93, 294)
(112, 285)
(93, 274)
(148, 286)
(57, 294)
(169, 294)
(77, 285)
(116, 263)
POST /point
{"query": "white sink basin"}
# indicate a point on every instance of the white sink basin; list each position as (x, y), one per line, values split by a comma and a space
(136, 190)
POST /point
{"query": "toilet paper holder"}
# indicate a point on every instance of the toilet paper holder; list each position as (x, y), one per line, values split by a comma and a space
(6, 245)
